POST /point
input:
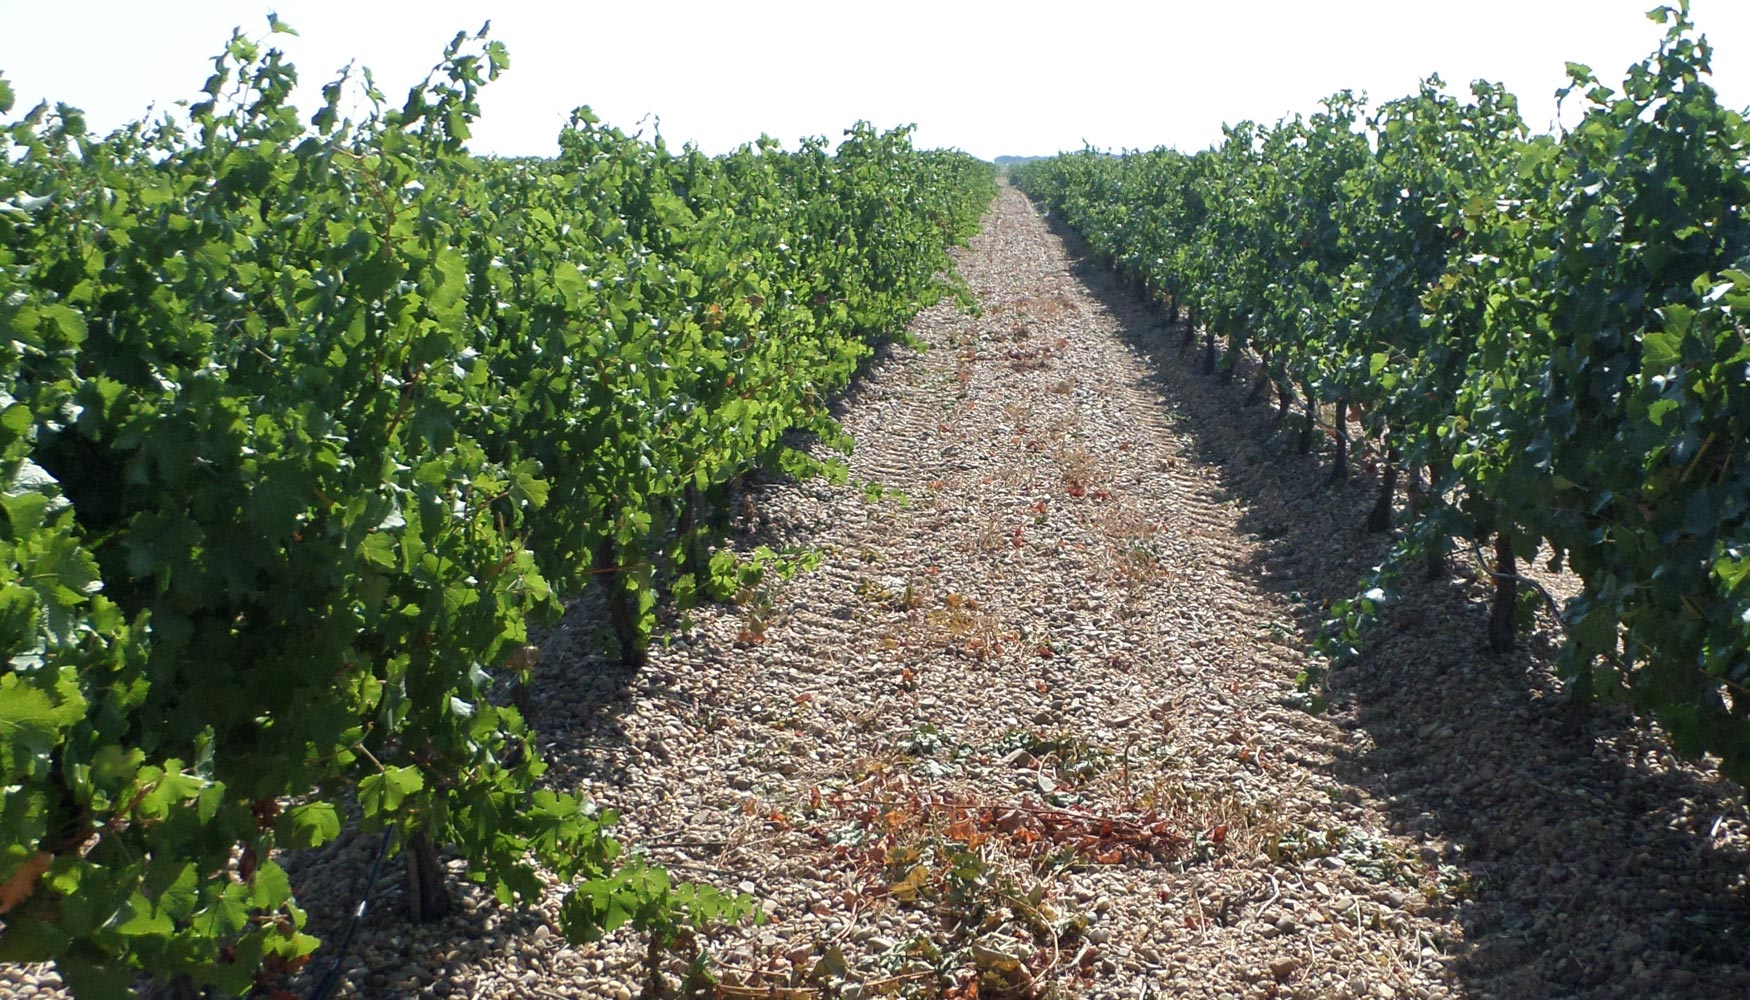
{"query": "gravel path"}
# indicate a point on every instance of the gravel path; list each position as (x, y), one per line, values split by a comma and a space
(1031, 721)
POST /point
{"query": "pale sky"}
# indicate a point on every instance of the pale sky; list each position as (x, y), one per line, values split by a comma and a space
(991, 78)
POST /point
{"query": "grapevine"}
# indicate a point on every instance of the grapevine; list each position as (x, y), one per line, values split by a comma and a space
(303, 423)
(1543, 335)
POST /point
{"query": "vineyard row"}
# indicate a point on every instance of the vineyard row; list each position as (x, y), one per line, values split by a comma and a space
(303, 422)
(1542, 336)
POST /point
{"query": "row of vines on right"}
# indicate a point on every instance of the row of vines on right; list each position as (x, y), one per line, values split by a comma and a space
(1541, 337)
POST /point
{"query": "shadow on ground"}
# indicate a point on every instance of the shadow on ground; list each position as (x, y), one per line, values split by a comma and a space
(1588, 862)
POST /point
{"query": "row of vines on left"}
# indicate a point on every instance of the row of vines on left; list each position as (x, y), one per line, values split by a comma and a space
(302, 422)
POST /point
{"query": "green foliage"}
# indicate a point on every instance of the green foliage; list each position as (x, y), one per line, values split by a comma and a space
(644, 896)
(1551, 329)
(730, 575)
(301, 424)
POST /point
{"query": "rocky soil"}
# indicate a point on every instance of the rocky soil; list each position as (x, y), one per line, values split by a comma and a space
(1032, 723)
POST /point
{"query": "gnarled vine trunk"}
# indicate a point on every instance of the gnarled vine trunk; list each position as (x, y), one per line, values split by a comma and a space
(622, 611)
(1503, 613)
(428, 894)
(695, 557)
(1259, 387)
(1434, 564)
(1312, 423)
(1340, 465)
(1379, 519)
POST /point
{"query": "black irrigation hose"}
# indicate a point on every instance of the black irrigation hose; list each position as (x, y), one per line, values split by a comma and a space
(1555, 609)
(332, 976)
